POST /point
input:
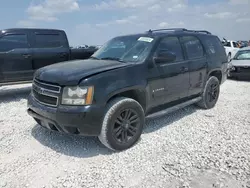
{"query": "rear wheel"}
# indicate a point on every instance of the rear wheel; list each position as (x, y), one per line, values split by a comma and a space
(122, 125)
(211, 93)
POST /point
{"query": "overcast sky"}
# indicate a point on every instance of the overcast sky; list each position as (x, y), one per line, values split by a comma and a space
(95, 22)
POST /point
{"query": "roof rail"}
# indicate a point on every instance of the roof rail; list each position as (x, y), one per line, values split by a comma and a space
(198, 31)
(180, 29)
(169, 29)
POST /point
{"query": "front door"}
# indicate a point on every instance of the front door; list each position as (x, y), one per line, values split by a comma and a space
(15, 58)
(176, 73)
(156, 87)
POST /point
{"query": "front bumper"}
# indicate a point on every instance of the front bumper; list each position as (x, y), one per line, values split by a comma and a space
(83, 120)
(243, 72)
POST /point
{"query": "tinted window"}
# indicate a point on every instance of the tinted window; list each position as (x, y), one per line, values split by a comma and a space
(228, 44)
(192, 47)
(48, 40)
(171, 44)
(214, 45)
(13, 41)
(235, 45)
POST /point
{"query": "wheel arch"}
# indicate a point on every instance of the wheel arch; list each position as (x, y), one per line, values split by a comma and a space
(217, 73)
(137, 93)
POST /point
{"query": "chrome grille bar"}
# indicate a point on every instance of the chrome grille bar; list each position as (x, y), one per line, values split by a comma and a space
(46, 94)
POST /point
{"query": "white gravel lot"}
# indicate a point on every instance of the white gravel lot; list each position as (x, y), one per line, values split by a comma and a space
(188, 148)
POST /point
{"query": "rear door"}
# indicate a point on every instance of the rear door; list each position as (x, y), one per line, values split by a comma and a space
(197, 62)
(15, 57)
(49, 47)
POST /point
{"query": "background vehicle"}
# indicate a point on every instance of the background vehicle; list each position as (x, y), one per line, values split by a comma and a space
(130, 77)
(231, 48)
(240, 64)
(22, 51)
(243, 43)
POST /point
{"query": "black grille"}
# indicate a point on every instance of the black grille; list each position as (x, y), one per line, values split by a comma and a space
(53, 88)
(46, 94)
(45, 99)
(243, 69)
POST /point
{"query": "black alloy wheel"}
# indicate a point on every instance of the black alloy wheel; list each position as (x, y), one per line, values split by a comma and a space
(210, 93)
(126, 126)
(213, 92)
(122, 124)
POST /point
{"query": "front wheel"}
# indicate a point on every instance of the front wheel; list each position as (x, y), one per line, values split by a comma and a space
(210, 94)
(122, 124)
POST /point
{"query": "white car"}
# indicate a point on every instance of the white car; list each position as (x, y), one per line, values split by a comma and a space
(240, 64)
(231, 48)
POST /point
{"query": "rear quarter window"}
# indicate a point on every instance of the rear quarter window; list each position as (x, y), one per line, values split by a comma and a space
(213, 45)
(215, 48)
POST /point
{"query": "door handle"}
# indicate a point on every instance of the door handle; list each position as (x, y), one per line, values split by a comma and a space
(62, 55)
(184, 69)
(26, 56)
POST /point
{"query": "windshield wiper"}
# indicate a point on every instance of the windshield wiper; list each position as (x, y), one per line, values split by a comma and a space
(112, 58)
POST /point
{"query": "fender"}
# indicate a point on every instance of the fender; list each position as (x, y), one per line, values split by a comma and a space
(139, 94)
(141, 88)
(208, 74)
(216, 69)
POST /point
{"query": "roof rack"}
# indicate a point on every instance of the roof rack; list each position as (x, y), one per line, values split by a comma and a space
(198, 31)
(179, 29)
(169, 29)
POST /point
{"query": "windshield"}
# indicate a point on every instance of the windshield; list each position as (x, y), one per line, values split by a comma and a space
(243, 55)
(125, 49)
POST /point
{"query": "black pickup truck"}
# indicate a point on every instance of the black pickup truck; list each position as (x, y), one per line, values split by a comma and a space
(23, 51)
(129, 78)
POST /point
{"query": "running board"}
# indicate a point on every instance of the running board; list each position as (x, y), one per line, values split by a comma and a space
(174, 108)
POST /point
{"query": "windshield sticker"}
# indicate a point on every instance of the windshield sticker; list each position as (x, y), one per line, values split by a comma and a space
(135, 57)
(145, 39)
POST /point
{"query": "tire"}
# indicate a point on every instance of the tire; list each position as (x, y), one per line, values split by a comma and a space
(210, 94)
(115, 121)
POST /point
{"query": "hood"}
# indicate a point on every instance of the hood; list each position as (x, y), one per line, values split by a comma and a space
(71, 72)
(240, 63)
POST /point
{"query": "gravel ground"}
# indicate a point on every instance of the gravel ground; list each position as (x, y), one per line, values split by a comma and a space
(187, 148)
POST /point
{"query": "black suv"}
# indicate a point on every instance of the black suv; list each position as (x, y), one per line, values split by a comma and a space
(129, 78)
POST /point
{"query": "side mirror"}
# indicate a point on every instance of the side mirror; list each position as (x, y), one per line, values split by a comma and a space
(164, 57)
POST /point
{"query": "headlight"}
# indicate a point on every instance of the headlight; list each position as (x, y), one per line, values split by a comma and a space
(77, 95)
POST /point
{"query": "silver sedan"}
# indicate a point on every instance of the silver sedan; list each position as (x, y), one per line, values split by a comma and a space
(239, 66)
